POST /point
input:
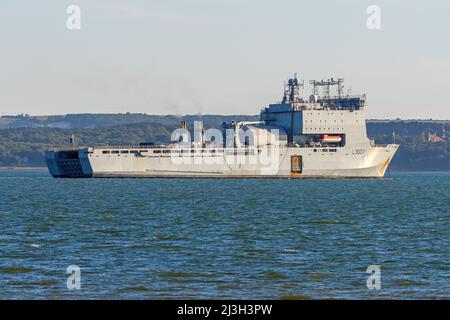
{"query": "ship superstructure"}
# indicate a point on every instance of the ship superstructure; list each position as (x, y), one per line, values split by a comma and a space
(321, 137)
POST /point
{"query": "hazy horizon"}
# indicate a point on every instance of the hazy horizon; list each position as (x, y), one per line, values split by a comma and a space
(220, 57)
(199, 114)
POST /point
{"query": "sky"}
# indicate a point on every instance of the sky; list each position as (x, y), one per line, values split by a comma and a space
(221, 56)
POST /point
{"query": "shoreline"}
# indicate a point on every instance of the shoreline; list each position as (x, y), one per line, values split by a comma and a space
(10, 168)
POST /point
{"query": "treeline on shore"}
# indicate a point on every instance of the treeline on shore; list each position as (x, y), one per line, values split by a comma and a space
(26, 145)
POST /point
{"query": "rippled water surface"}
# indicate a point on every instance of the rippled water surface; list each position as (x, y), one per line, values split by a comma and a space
(155, 239)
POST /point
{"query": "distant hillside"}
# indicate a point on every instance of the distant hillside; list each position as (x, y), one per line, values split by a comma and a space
(23, 139)
(89, 120)
(415, 152)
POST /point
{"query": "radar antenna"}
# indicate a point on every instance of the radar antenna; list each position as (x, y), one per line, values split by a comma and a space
(326, 87)
(292, 90)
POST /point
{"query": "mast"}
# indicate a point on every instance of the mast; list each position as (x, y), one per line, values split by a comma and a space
(326, 88)
(292, 90)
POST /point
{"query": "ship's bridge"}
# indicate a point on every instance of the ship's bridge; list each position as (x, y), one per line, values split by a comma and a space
(321, 115)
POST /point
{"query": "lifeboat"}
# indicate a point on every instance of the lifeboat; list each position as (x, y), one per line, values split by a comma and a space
(330, 139)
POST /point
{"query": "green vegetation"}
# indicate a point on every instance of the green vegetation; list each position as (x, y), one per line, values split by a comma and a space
(26, 146)
(415, 152)
(24, 139)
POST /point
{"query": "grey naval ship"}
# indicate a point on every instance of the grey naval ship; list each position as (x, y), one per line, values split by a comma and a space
(323, 136)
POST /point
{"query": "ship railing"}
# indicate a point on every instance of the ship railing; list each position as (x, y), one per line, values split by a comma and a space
(73, 148)
(66, 148)
(130, 147)
(139, 147)
(380, 145)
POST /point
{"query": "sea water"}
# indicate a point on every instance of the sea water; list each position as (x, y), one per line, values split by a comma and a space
(200, 238)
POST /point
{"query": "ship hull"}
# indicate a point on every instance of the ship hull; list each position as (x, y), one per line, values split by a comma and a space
(279, 163)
